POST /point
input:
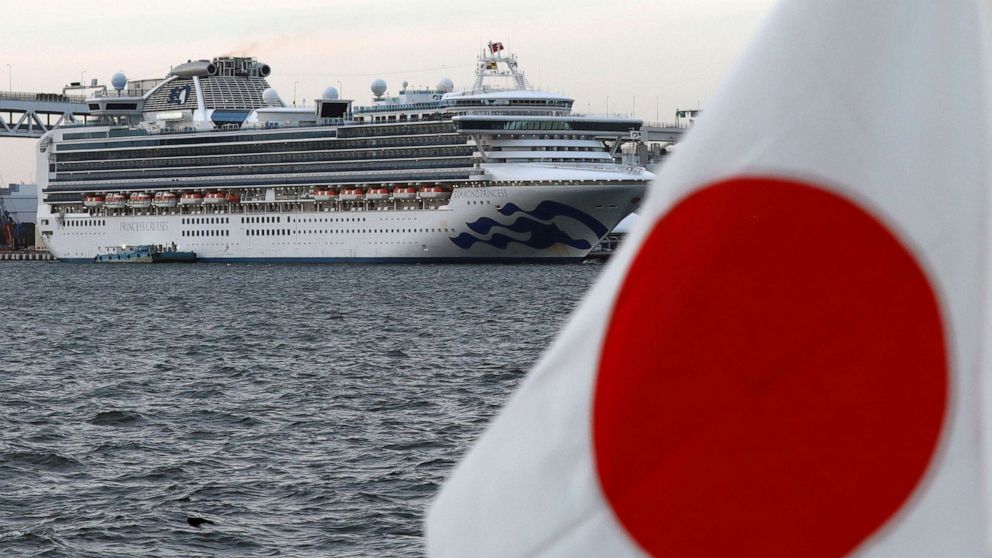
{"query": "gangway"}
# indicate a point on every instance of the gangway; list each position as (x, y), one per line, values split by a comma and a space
(661, 133)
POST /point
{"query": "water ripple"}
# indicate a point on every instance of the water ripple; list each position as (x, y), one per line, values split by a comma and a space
(305, 411)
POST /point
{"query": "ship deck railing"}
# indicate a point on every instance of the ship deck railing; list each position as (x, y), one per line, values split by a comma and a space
(41, 97)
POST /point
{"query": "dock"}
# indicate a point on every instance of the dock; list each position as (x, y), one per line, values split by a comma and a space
(26, 256)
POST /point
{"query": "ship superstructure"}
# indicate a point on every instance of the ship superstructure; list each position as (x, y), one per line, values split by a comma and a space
(211, 160)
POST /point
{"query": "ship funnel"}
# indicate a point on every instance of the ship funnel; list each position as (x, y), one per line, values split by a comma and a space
(197, 69)
(263, 70)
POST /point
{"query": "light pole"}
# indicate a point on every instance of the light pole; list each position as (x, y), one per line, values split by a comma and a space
(340, 90)
(82, 78)
(295, 83)
(607, 105)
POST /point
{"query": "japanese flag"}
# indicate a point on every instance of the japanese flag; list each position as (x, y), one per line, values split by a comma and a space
(790, 356)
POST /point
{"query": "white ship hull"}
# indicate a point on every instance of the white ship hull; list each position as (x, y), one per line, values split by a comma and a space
(526, 223)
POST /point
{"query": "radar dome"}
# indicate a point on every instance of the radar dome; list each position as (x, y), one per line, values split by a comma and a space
(270, 97)
(445, 85)
(378, 87)
(405, 84)
(119, 81)
(330, 94)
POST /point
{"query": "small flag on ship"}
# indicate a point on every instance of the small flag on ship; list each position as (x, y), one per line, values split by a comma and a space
(495, 47)
(790, 355)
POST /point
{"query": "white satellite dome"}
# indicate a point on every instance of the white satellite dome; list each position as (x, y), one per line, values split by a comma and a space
(445, 85)
(270, 97)
(378, 87)
(119, 81)
(330, 94)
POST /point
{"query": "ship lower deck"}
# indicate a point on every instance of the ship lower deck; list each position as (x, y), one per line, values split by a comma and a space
(506, 224)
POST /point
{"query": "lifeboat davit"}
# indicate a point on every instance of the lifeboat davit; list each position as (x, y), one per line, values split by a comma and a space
(405, 193)
(116, 201)
(93, 201)
(164, 199)
(190, 198)
(324, 194)
(435, 193)
(215, 198)
(352, 194)
(139, 200)
(377, 193)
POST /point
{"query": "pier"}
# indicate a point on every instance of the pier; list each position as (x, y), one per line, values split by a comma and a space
(26, 256)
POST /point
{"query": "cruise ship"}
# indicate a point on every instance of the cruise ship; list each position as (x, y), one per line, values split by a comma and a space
(210, 160)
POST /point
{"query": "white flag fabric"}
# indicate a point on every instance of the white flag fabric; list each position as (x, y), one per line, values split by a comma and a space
(788, 355)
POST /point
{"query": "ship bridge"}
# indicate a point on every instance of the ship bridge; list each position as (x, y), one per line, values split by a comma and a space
(30, 115)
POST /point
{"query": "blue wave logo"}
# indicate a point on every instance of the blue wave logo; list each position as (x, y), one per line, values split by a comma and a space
(543, 232)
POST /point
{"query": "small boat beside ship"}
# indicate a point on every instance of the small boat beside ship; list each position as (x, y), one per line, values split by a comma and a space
(145, 254)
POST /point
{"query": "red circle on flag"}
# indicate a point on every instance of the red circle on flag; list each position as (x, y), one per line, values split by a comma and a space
(774, 379)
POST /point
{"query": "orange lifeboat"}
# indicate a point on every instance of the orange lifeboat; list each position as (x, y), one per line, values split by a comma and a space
(233, 198)
(324, 194)
(116, 201)
(190, 198)
(377, 193)
(93, 201)
(435, 193)
(139, 200)
(164, 199)
(215, 198)
(352, 194)
(405, 193)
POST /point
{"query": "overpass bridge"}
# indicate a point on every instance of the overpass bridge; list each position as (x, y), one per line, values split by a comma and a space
(30, 115)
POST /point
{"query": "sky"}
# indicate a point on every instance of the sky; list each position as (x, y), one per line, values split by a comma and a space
(646, 57)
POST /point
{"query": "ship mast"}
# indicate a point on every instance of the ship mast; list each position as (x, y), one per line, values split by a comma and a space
(493, 65)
